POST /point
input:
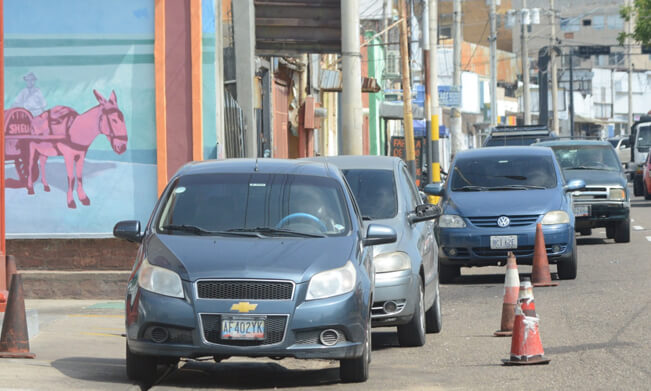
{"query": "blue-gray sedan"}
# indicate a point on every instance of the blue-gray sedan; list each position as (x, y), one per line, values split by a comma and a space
(252, 258)
(406, 272)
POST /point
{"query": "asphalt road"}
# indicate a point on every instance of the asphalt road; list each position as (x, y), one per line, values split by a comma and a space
(595, 330)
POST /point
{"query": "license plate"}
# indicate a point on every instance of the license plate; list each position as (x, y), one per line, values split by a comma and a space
(246, 328)
(581, 210)
(504, 242)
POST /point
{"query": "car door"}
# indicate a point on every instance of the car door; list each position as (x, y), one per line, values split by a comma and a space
(422, 233)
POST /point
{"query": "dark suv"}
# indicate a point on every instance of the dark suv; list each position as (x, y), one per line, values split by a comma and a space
(518, 135)
(605, 201)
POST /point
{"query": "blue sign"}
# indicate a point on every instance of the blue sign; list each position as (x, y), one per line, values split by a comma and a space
(450, 96)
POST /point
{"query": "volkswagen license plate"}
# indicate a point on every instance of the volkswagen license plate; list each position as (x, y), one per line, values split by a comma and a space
(581, 210)
(246, 328)
(504, 242)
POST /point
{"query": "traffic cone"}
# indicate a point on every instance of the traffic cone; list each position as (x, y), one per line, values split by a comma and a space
(14, 340)
(540, 275)
(511, 290)
(526, 347)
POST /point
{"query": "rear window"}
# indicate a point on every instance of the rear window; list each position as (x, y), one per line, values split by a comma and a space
(496, 141)
(375, 192)
(503, 172)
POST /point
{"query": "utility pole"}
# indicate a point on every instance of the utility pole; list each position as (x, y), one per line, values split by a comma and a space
(493, 64)
(432, 83)
(219, 80)
(408, 120)
(629, 63)
(552, 67)
(352, 79)
(455, 113)
(571, 92)
(244, 36)
(524, 53)
(428, 91)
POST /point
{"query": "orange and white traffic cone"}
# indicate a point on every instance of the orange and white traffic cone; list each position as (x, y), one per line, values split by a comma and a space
(526, 347)
(511, 290)
(540, 275)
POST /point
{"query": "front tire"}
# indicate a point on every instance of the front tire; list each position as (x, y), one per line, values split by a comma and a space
(355, 370)
(610, 231)
(638, 186)
(623, 231)
(567, 269)
(141, 367)
(413, 333)
(433, 318)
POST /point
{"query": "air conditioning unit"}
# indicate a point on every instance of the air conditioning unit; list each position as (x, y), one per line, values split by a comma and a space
(392, 64)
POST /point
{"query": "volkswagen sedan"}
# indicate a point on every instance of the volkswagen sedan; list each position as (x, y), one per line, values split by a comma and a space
(492, 201)
(252, 258)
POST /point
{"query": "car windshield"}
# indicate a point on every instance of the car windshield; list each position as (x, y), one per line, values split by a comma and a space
(496, 141)
(587, 157)
(644, 138)
(261, 204)
(512, 172)
(375, 192)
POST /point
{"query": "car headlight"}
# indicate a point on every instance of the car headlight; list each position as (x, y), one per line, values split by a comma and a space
(556, 217)
(617, 194)
(451, 221)
(391, 262)
(332, 282)
(159, 280)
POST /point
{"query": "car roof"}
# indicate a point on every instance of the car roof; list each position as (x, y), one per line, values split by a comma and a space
(263, 166)
(572, 143)
(360, 162)
(504, 151)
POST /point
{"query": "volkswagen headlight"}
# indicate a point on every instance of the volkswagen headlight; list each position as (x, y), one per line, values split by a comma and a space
(451, 221)
(159, 280)
(556, 217)
(392, 262)
(617, 194)
(332, 282)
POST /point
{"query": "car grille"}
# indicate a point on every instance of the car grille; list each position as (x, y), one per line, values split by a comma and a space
(523, 251)
(275, 331)
(591, 193)
(245, 290)
(516, 221)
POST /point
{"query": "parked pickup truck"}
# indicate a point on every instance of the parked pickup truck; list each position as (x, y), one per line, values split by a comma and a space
(518, 135)
(640, 141)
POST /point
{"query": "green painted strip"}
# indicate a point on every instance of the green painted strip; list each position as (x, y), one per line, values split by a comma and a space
(45, 43)
(107, 305)
(110, 59)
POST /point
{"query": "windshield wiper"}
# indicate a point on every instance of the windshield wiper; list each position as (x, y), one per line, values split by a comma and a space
(186, 228)
(277, 231)
(366, 218)
(588, 168)
(516, 187)
(514, 177)
(470, 188)
(200, 231)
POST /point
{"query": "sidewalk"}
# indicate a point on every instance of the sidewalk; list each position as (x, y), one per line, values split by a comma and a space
(80, 346)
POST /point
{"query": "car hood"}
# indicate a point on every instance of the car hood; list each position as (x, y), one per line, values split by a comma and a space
(510, 202)
(297, 259)
(596, 177)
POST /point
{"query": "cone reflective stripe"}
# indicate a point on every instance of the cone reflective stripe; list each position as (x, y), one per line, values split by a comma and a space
(14, 340)
(511, 291)
(540, 275)
(526, 346)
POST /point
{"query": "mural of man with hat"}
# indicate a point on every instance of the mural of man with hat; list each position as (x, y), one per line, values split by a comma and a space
(30, 97)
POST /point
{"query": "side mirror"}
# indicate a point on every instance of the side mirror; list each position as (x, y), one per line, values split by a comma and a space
(128, 230)
(379, 234)
(574, 185)
(424, 213)
(436, 189)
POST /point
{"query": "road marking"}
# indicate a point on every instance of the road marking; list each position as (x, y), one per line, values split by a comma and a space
(95, 316)
(638, 228)
(648, 238)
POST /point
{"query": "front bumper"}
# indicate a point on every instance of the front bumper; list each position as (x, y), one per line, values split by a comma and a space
(299, 335)
(397, 287)
(472, 244)
(602, 214)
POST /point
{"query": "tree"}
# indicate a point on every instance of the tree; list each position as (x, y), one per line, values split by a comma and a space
(640, 11)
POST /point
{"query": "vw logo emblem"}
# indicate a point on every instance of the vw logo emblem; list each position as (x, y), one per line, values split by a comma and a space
(503, 221)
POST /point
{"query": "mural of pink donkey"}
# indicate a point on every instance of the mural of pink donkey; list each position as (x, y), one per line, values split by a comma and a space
(61, 131)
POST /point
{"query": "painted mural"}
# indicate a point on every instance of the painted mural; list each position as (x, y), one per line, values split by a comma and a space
(79, 116)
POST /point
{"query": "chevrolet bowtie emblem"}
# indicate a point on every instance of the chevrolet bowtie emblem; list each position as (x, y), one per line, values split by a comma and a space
(243, 306)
